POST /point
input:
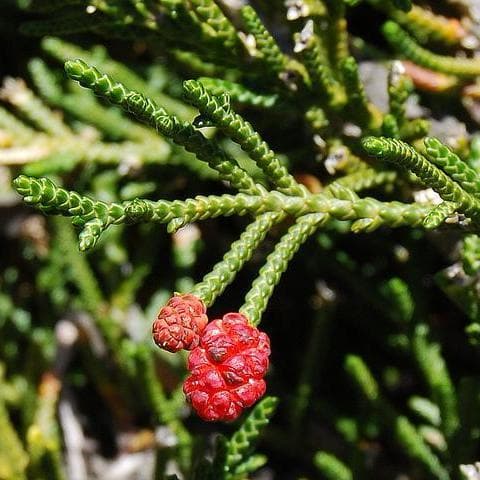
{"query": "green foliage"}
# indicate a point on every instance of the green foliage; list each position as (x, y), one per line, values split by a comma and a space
(451, 164)
(276, 263)
(450, 189)
(471, 254)
(242, 442)
(240, 252)
(438, 379)
(331, 467)
(265, 45)
(212, 111)
(358, 105)
(219, 111)
(399, 427)
(238, 93)
(13, 458)
(317, 63)
(404, 44)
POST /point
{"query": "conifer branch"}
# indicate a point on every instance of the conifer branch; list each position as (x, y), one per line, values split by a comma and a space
(404, 433)
(409, 438)
(439, 214)
(399, 295)
(471, 254)
(337, 33)
(98, 57)
(317, 63)
(404, 155)
(271, 55)
(399, 88)
(208, 13)
(423, 24)
(84, 105)
(437, 377)
(414, 130)
(224, 272)
(247, 435)
(367, 213)
(147, 111)
(331, 467)
(238, 92)
(15, 92)
(427, 26)
(242, 132)
(276, 263)
(366, 178)
(404, 44)
(450, 163)
(359, 107)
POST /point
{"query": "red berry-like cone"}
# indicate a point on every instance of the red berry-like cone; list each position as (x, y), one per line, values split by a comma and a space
(227, 368)
(180, 323)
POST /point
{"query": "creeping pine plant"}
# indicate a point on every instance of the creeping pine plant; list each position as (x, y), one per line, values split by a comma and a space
(281, 115)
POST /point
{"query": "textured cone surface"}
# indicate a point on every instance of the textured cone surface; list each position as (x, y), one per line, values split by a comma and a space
(227, 368)
(180, 323)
